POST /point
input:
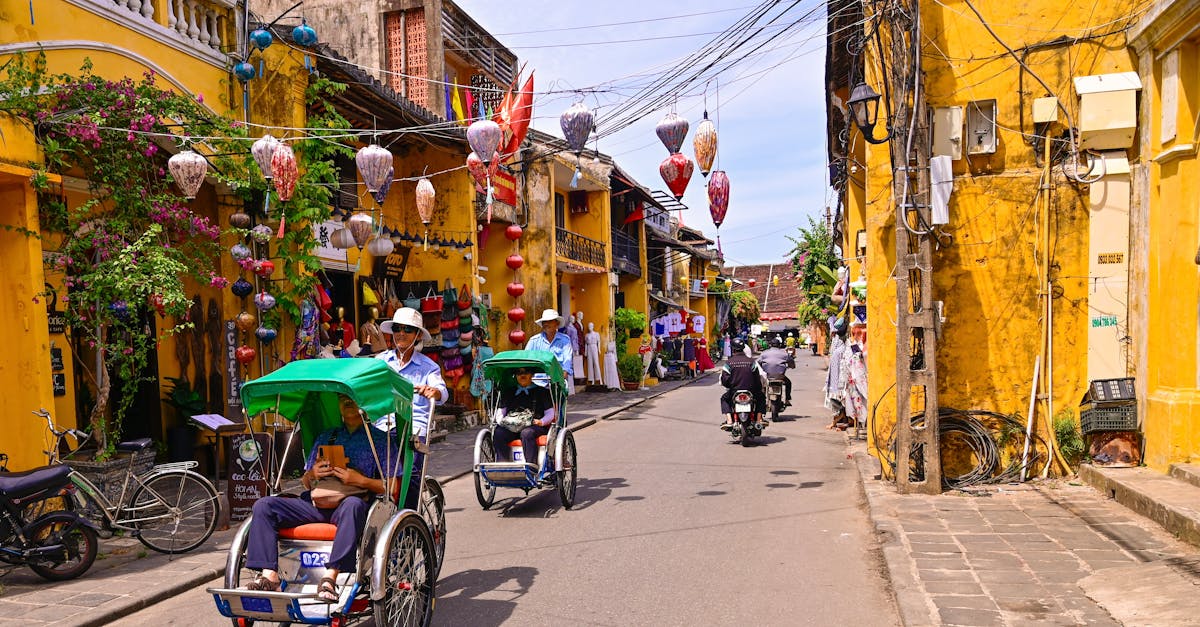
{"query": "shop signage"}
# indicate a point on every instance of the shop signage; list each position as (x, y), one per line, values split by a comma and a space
(330, 255)
(56, 358)
(57, 321)
(392, 266)
(247, 471)
(232, 366)
(59, 379)
(504, 187)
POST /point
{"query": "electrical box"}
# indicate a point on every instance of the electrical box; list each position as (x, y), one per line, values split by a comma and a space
(947, 132)
(1107, 110)
(1045, 110)
(981, 127)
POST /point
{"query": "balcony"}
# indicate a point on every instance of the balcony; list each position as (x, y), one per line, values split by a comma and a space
(625, 253)
(576, 247)
(206, 29)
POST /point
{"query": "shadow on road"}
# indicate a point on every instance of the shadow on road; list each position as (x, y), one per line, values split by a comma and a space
(545, 503)
(458, 602)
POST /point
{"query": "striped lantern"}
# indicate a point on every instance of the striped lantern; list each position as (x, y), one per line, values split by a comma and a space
(361, 226)
(188, 169)
(284, 171)
(262, 150)
(374, 162)
(342, 238)
(425, 199)
(671, 131)
(705, 144)
(718, 196)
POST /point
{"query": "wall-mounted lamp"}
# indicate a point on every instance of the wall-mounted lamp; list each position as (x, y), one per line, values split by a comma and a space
(864, 108)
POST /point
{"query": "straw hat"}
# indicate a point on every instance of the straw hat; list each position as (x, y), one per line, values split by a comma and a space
(407, 316)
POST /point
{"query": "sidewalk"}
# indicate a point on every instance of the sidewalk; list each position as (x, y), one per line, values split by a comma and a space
(127, 577)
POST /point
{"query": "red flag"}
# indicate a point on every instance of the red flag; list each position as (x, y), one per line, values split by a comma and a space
(522, 113)
(637, 214)
(470, 103)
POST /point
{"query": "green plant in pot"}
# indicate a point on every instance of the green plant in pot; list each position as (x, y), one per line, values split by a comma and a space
(629, 367)
(629, 323)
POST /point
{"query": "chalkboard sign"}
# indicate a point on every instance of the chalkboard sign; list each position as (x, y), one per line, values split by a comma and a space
(246, 470)
(56, 357)
(60, 383)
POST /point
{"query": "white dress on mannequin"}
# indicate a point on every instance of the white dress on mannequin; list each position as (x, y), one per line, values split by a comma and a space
(612, 378)
(593, 355)
(577, 361)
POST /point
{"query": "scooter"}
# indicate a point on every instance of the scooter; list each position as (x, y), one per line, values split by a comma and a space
(747, 424)
(58, 544)
(775, 397)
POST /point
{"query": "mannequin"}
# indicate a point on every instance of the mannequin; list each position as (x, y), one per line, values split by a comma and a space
(342, 329)
(576, 323)
(369, 335)
(612, 378)
(592, 341)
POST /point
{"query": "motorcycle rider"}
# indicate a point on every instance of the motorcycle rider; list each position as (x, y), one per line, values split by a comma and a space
(775, 362)
(741, 372)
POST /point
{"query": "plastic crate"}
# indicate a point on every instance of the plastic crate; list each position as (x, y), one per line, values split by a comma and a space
(1108, 417)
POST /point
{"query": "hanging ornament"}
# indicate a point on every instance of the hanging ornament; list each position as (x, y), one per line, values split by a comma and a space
(240, 219)
(188, 170)
(246, 321)
(516, 314)
(426, 195)
(245, 355)
(478, 172)
(373, 163)
(342, 238)
(751, 282)
(513, 232)
(704, 283)
(381, 246)
(304, 35)
(514, 261)
(240, 252)
(264, 301)
(383, 189)
(264, 268)
(705, 144)
(676, 171)
(484, 137)
(515, 289)
(361, 227)
(241, 288)
(728, 284)
(261, 234)
(262, 150)
(576, 123)
(244, 71)
(283, 171)
(718, 196)
(266, 334)
(261, 38)
(516, 336)
(671, 131)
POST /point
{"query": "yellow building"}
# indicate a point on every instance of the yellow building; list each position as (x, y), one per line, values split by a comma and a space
(1000, 86)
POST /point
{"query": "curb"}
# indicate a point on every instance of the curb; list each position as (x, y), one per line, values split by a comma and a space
(184, 584)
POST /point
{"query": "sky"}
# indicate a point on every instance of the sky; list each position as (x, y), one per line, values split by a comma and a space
(769, 109)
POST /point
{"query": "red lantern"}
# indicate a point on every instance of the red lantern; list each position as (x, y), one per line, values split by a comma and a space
(514, 261)
(704, 283)
(515, 289)
(676, 171)
(264, 268)
(516, 336)
(516, 314)
(751, 282)
(513, 232)
(244, 354)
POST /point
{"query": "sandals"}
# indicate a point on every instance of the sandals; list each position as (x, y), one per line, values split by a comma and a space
(262, 583)
(327, 590)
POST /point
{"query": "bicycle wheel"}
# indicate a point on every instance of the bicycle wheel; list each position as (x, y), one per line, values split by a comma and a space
(433, 510)
(79, 546)
(565, 478)
(408, 578)
(485, 492)
(174, 512)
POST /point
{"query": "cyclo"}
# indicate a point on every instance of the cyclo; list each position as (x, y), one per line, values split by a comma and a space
(399, 555)
(556, 463)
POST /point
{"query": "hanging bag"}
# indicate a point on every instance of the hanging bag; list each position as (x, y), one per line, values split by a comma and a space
(464, 298)
(369, 297)
(431, 302)
(412, 302)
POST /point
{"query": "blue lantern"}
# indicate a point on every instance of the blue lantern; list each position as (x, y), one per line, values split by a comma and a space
(244, 71)
(261, 38)
(304, 35)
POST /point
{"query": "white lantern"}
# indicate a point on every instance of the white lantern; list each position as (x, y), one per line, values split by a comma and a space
(188, 169)
(361, 226)
(381, 247)
(262, 150)
(374, 163)
(342, 238)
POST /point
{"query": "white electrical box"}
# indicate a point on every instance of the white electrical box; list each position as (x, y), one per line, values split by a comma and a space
(947, 132)
(1107, 110)
(981, 127)
(1045, 110)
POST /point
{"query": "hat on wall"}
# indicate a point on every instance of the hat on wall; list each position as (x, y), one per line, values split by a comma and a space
(407, 316)
(551, 314)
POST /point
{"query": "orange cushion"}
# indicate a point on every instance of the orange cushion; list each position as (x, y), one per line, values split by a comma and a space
(541, 441)
(311, 531)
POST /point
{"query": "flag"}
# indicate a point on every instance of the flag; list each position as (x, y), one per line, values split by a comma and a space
(457, 104)
(636, 214)
(449, 110)
(470, 102)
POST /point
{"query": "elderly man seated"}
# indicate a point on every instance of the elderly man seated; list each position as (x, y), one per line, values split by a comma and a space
(525, 412)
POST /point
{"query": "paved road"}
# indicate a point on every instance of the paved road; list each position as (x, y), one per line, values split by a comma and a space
(674, 525)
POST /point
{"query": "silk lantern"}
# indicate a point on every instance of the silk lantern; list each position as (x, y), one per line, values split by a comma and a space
(516, 314)
(516, 336)
(266, 334)
(513, 232)
(671, 131)
(751, 282)
(576, 123)
(261, 38)
(426, 195)
(381, 247)
(342, 238)
(240, 219)
(515, 289)
(718, 196)
(383, 189)
(188, 169)
(676, 171)
(244, 71)
(704, 142)
(264, 301)
(361, 226)
(484, 137)
(246, 321)
(283, 171)
(262, 150)
(304, 35)
(373, 163)
(241, 288)
(514, 261)
(245, 355)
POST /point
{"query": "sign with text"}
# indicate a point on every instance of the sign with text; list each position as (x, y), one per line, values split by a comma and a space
(392, 266)
(504, 188)
(247, 472)
(232, 367)
(329, 254)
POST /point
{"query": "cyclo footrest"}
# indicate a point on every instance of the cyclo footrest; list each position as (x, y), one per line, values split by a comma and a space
(260, 605)
(509, 473)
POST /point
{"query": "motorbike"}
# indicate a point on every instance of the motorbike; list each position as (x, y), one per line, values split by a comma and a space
(775, 397)
(747, 424)
(55, 544)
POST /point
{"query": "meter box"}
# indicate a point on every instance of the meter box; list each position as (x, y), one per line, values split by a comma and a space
(1107, 110)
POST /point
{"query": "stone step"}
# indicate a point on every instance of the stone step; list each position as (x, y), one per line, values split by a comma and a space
(1187, 472)
(1172, 503)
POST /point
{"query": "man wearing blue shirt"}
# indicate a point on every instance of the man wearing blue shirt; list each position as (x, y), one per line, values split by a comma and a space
(551, 340)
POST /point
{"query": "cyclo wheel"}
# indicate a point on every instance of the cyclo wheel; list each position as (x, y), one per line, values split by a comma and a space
(408, 577)
(433, 510)
(565, 479)
(80, 546)
(484, 491)
(176, 511)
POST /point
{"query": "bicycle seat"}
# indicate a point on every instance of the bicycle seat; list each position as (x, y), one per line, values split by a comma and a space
(134, 446)
(18, 484)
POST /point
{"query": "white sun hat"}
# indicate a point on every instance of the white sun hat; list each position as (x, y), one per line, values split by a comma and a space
(407, 316)
(551, 314)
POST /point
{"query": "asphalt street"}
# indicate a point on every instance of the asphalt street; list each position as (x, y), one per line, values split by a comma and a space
(673, 525)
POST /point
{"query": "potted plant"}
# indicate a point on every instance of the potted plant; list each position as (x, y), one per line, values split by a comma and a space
(629, 323)
(630, 369)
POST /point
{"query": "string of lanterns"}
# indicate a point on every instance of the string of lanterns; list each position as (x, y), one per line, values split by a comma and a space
(515, 287)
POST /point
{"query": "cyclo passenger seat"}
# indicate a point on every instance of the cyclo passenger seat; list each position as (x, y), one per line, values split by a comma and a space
(310, 531)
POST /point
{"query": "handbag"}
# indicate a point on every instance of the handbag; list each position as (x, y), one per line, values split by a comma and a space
(412, 302)
(329, 492)
(516, 420)
(431, 302)
(464, 298)
(369, 297)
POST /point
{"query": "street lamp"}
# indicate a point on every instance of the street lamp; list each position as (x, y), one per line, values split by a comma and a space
(864, 108)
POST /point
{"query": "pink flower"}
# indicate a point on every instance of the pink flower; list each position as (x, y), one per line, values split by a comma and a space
(200, 98)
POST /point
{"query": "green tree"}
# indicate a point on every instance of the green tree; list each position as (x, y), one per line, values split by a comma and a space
(813, 258)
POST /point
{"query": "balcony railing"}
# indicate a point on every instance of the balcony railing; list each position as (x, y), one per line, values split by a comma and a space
(625, 253)
(579, 248)
(207, 28)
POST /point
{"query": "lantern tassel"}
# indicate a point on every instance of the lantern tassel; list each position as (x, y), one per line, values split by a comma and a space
(489, 198)
(575, 178)
(426, 238)
(282, 220)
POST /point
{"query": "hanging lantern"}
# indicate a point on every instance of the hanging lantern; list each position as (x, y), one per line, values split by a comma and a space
(484, 137)
(266, 334)
(261, 234)
(361, 227)
(373, 163)
(705, 144)
(672, 130)
(188, 170)
(514, 261)
(576, 123)
(704, 283)
(240, 252)
(478, 171)
(383, 189)
(718, 196)
(240, 219)
(775, 280)
(728, 284)
(283, 171)
(426, 195)
(241, 288)
(381, 247)
(516, 336)
(264, 268)
(244, 71)
(342, 238)
(264, 301)
(304, 35)
(262, 150)
(261, 38)
(245, 355)
(516, 314)
(751, 282)
(676, 171)
(246, 321)
(513, 232)
(515, 289)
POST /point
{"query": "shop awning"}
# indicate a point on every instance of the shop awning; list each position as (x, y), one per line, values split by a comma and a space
(666, 301)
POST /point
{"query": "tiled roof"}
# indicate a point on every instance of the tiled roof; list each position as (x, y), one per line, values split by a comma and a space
(773, 300)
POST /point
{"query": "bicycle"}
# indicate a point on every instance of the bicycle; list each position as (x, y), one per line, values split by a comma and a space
(169, 508)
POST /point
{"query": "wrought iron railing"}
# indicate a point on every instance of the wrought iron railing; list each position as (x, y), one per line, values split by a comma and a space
(579, 248)
(625, 252)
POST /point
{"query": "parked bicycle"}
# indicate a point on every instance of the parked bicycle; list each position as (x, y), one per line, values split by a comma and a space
(169, 508)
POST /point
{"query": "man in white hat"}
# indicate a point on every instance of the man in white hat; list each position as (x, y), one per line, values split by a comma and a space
(408, 335)
(558, 343)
